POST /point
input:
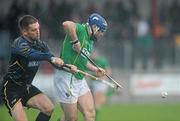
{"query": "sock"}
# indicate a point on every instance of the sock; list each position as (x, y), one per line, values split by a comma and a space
(42, 117)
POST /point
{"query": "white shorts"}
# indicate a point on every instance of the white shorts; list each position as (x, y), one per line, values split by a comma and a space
(69, 89)
(98, 86)
(46, 85)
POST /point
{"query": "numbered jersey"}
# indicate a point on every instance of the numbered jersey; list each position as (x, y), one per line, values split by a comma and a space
(72, 57)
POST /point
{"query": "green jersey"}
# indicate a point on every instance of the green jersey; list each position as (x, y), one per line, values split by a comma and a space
(72, 57)
(102, 62)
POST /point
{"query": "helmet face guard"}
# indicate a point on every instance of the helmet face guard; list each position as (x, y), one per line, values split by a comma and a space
(99, 21)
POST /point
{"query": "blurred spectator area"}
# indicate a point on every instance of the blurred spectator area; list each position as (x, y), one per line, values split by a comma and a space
(142, 34)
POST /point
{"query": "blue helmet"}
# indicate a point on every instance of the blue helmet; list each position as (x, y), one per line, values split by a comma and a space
(98, 20)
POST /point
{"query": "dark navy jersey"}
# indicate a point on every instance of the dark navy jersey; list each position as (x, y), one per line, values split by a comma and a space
(25, 60)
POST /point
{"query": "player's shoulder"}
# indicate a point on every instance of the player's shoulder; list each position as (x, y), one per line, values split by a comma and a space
(19, 42)
(80, 27)
(102, 60)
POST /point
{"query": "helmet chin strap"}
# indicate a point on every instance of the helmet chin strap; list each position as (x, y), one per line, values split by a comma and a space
(97, 29)
(94, 33)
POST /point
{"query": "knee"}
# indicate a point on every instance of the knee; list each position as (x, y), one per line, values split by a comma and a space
(90, 115)
(48, 109)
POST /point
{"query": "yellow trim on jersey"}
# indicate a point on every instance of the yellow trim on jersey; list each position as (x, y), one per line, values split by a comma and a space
(16, 103)
(17, 62)
(62, 52)
(80, 52)
(6, 96)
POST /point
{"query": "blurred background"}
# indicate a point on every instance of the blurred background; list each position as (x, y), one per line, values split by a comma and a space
(142, 43)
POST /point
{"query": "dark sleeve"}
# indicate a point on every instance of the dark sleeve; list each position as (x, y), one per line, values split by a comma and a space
(25, 50)
(42, 46)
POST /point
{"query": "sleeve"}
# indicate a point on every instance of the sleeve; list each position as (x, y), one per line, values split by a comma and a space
(42, 46)
(25, 50)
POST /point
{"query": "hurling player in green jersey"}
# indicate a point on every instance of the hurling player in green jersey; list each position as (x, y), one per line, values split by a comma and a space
(73, 91)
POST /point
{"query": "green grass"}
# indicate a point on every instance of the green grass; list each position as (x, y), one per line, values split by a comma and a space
(128, 112)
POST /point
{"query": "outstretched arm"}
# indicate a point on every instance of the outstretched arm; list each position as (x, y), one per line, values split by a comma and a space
(41, 54)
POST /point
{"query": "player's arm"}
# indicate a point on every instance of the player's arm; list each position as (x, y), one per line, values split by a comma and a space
(70, 29)
(42, 46)
(26, 51)
(99, 71)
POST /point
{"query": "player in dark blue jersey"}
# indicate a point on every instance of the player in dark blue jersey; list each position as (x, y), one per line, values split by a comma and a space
(26, 53)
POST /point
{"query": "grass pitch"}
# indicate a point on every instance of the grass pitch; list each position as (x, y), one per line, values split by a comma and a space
(127, 112)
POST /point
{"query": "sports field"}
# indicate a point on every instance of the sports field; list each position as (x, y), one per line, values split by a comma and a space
(128, 112)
